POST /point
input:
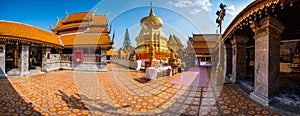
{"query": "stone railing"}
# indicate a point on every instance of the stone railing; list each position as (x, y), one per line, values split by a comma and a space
(91, 58)
(86, 58)
(52, 64)
(127, 63)
(66, 57)
(65, 62)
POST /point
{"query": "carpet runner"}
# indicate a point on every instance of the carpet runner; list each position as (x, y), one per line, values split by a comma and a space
(195, 77)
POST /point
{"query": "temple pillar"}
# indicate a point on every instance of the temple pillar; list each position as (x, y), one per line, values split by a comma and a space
(267, 52)
(228, 58)
(46, 52)
(2, 60)
(24, 60)
(238, 57)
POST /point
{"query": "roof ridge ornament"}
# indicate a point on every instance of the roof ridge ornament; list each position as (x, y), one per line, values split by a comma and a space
(51, 28)
(95, 10)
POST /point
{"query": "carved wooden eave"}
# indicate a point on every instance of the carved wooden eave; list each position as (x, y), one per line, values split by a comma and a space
(26, 41)
(253, 11)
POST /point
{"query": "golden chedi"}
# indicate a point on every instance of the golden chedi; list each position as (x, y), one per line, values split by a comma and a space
(151, 41)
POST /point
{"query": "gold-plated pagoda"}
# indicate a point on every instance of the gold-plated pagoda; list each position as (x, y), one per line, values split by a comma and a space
(152, 42)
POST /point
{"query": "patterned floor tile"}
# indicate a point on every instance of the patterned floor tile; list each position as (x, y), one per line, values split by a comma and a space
(120, 91)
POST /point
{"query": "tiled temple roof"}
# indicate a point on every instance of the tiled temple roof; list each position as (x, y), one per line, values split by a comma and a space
(78, 17)
(202, 44)
(95, 31)
(82, 19)
(23, 32)
(176, 39)
(99, 20)
(86, 29)
(85, 39)
(205, 40)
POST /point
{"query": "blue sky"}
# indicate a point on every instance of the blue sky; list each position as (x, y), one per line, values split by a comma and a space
(181, 17)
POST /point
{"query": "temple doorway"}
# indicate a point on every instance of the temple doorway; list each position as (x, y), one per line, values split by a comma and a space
(248, 81)
(35, 57)
(11, 57)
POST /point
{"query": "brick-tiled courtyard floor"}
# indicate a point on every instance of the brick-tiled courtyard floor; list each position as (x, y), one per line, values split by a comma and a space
(120, 91)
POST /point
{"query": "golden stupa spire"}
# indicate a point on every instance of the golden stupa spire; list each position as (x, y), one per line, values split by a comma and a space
(151, 11)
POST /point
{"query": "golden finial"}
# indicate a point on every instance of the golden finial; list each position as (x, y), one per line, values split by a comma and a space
(151, 11)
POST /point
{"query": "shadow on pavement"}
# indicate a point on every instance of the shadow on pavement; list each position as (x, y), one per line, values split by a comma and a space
(78, 103)
(11, 103)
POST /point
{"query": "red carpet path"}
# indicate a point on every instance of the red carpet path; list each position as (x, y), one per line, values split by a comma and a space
(195, 77)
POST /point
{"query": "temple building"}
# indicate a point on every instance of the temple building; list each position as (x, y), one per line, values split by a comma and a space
(262, 51)
(151, 41)
(78, 42)
(24, 48)
(175, 44)
(85, 38)
(199, 48)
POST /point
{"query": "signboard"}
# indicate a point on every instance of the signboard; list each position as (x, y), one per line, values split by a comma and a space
(78, 55)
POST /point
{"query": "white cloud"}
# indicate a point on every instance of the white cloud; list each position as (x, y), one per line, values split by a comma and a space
(231, 7)
(205, 4)
(184, 3)
(195, 11)
(232, 11)
(196, 5)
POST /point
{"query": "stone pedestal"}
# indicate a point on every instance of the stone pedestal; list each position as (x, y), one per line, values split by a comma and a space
(24, 60)
(228, 59)
(267, 52)
(238, 57)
